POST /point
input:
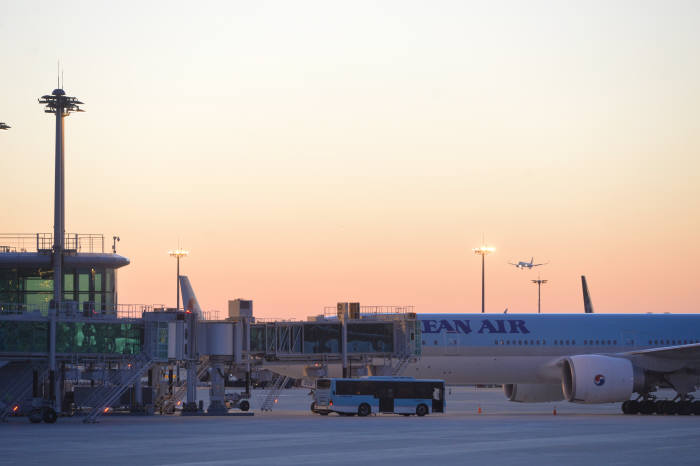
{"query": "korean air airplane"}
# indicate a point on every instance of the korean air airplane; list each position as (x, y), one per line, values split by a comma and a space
(584, 358)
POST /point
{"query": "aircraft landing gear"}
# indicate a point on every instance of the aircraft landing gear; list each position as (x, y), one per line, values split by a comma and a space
(682, 404)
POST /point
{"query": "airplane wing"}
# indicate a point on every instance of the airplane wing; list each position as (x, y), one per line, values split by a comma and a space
(678, 352)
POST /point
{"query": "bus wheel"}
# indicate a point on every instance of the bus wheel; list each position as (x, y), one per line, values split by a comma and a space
(421, 410)
(364, 410)
(244, 405)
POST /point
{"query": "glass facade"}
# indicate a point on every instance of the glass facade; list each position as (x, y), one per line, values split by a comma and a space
(72, 337)
(102, 338)
(375, 337)
(318, 338)
(321, 338)
(24, 337)
(32, 288)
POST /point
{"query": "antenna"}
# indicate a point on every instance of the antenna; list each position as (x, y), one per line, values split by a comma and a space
(58, 70)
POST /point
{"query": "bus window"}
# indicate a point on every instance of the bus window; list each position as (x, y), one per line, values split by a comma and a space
(323, 384)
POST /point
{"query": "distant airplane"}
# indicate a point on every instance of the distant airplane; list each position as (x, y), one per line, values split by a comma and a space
(527, 265)
(4, 126)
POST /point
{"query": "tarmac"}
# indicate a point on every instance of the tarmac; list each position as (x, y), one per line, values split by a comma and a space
(503, 433)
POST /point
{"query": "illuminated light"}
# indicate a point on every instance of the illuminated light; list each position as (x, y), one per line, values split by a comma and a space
(276, 400)
(330, 403)
(15, 408)
(483, 250)
(179, 403)
(106, 410)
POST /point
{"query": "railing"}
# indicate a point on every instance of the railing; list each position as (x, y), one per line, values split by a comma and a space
(43, 242)
(369, 311)
(72, 308)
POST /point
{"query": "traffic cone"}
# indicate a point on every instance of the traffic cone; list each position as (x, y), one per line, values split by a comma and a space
(554, 411)
(479, 410)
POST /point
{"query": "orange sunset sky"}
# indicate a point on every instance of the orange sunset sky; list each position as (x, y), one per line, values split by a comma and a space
(314, 152)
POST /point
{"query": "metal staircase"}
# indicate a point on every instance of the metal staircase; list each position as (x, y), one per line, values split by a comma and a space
(116, 383)
(401, 365)
(270, 396)
(181, 390)
(18, 380)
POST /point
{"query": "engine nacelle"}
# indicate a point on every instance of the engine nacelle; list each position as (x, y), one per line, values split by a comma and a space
(594, 378)
(533, 392)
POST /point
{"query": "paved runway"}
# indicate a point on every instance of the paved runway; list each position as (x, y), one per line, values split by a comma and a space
(505, 433)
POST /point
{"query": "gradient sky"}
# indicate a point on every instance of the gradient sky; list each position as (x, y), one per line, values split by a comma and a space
(314, 152)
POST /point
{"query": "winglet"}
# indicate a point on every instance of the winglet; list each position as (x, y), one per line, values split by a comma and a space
(189, 300)
(587, 304)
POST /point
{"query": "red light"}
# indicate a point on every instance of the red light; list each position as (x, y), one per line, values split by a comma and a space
(188, 311)
(331, 403)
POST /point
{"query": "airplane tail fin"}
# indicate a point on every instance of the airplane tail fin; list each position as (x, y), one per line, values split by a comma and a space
(189, 300)
(587, 304)
(532, 260)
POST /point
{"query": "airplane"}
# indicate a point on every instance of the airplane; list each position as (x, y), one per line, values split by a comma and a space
(581, 358)
(4, 125)
(527, 265)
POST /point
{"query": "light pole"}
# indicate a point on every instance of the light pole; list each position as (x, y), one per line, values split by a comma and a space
(177, 254)
(483, 251)
(60, 105)
(539, 282)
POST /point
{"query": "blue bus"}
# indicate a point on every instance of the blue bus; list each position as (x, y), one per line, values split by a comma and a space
(367, 395)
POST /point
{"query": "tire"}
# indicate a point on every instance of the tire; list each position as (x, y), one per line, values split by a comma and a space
(323, 413)
(244, 405)
(670, 408)
(364, 410)
(313, 406)
(661, 406)
(647, 407)
(633, 407)
(35, 416)
(421, 410)
(626, 407)
(685, 408)
(49, 416)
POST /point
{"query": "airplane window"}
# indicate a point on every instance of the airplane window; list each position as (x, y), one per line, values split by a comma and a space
(525, 343)
(532, 342)
(685, 342)
(495, 342)
(424, 342)
(614, 342)
(501, 341)
(567, 342)
(667, 342)
(544, 342)
(597, 342)
(520, 342)
(435, 342)
(656, 342)
(650, 342)
(573, 342)
(609, 342)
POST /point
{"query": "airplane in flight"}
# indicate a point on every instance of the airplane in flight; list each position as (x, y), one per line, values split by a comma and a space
(527, 265)
(4, 125)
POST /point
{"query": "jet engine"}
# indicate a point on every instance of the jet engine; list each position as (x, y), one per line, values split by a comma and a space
(594, 378)
(533, 393)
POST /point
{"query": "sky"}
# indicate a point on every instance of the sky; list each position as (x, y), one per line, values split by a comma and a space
(307, 153)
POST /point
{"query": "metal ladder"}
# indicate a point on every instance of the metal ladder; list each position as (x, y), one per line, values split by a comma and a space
(16, 390)
(102, 399)
(273, 392)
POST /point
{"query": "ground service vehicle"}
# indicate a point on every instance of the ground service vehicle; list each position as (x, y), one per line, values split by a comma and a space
(367, 395)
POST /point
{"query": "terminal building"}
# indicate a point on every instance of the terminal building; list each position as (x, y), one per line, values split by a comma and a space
(67, 346)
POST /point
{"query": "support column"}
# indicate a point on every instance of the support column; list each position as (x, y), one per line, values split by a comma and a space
(217, 404)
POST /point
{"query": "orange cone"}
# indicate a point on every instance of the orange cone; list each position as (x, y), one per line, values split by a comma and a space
(479, 411)
(554, 412)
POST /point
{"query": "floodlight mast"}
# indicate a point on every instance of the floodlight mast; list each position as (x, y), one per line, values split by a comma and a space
(483, 251)
(60, 105)
(539, 283)
(177, 254)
